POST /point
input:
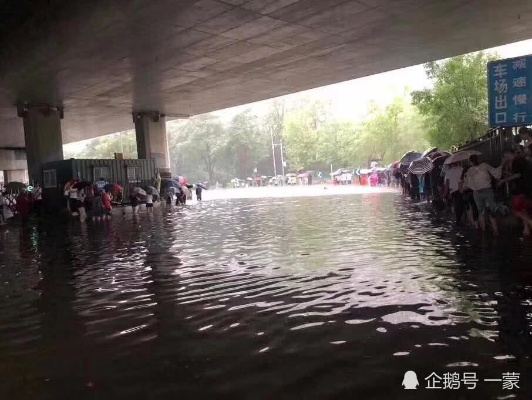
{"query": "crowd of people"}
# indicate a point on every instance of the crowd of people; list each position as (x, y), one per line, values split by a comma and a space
(25, 202)
(89, 201)
(476, 191)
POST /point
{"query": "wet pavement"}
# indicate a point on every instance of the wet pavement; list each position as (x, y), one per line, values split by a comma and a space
(333, 295)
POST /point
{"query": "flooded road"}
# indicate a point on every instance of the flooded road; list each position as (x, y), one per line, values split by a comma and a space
(275, 296)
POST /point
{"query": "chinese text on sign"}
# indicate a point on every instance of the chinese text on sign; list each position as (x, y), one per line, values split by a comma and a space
(510, 91)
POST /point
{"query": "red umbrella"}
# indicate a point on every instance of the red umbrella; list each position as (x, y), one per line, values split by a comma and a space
(70, 183)
(113, 188)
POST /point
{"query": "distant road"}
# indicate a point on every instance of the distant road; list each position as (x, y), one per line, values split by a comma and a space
(292, 191)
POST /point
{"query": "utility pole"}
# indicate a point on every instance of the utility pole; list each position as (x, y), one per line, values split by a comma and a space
(282, 155)
(273, 155)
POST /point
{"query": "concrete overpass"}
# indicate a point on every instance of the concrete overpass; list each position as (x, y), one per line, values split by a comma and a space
(96, 62)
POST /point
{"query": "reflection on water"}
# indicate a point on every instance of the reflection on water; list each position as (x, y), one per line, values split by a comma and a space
(296, 297)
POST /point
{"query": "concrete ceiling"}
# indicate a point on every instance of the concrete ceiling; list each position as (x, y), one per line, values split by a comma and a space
(104, 59)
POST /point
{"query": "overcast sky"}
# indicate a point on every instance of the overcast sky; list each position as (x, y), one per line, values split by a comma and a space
(350, 99)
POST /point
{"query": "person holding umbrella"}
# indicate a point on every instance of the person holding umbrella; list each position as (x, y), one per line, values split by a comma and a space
(199, 189)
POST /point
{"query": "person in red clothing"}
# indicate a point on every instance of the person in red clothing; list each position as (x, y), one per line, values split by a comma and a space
(106, 200)
(23, 205)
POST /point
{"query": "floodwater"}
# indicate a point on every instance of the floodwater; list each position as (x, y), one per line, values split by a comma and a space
(334, 295)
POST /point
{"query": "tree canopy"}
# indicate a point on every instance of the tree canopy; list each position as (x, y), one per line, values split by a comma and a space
(456, 108)
(206, 148)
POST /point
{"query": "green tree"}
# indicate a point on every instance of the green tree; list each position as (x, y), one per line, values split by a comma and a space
(389, 132)
(247, 144)
(106, 146)
(203, 139)
(456, 108)
(303, 127)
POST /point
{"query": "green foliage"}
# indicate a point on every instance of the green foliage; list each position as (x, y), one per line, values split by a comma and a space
(247, 143)
(205, 148)
(314, 140)
(202, 140)
(304, 132)
(456, 108)
(107, 146)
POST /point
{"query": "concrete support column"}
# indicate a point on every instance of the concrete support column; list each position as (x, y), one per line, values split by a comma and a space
(15, 175)
(42, 133)
(152, 141)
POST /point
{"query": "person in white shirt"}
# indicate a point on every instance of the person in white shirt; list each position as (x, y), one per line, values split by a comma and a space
(73, 200)
(452, 186)
(149, 202)
(81, 205)
(478, 179)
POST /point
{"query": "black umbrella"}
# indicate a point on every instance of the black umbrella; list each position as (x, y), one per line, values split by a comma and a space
(173, 183)
(421, 166)
(438, 161)
(15, 186)
(81, 185)
(430, 150)
(410, 156)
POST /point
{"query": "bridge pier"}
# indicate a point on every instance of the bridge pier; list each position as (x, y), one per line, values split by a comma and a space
(152, 140)
(42, 134)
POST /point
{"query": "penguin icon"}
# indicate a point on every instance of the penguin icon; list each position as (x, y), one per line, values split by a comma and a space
(410, 380)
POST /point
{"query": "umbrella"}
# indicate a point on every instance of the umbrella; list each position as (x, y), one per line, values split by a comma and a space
(430, 150)
(139, 191)
(438, 161)
(438, 153)
(396, 164)
(112, 188)
(200, 185)
(14, 186)
(81, 185)
(69, 184)
(151, 190)
(461, 156)
(249, 179)
(173, 183)
(421, 166)
(408, 157)
(303, 175)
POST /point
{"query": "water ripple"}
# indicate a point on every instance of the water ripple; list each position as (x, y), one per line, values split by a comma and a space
(316, 285)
